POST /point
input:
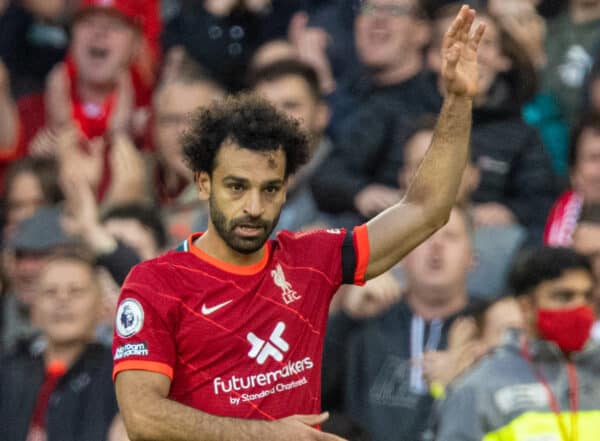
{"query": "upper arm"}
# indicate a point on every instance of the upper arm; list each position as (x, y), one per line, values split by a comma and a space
(145, 324)
(134, 388)
(394, 233)
(459, 419)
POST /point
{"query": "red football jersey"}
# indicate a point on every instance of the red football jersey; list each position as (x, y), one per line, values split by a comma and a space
(238, 341)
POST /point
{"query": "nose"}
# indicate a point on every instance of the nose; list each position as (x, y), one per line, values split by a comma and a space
(254, 204)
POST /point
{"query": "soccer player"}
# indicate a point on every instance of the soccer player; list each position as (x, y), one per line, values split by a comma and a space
(222, 338)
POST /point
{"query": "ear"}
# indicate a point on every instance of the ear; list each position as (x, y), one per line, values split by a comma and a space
(474, 260)
(527, 304)
(284, 189)
(575, 180)
(322, 117)
(203, 183)
(504, 64)
(422, 32)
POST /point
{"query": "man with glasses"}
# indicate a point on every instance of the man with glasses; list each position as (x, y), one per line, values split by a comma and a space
(360, 176)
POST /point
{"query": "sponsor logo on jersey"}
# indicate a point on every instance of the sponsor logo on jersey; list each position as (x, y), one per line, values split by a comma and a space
(274, 347)
(287, 292)
(130, 318)
(131, 349)
(238, 384)
(334, 231)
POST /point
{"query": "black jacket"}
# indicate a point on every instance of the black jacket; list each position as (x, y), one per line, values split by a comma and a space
(367, 372)
(366, 147)
(515, 168)
(81, 407)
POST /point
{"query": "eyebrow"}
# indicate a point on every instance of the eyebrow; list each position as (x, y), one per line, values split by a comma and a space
(235, 179)
(238, 179)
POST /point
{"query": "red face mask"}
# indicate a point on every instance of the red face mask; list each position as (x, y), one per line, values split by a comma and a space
(568, 328)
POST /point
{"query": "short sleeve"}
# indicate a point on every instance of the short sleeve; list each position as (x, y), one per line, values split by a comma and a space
(341, 254)
(145, 325)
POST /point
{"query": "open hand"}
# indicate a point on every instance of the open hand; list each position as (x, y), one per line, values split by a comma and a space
(70, 154)
(57, 98)
(121, 116)
(493, 213)
(257, 6)
(300, 428)
(311, 44)
(375, 198)
(129, 180)
(459, 72)
(377, 295)
(220, 8)
(4, 78)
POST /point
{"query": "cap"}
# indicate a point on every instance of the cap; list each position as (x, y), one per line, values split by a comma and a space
(132, 10)
(41, 233)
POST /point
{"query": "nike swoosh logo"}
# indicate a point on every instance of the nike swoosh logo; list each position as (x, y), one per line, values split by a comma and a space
(208, 311)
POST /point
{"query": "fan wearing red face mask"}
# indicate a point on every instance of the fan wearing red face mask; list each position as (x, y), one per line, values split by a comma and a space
(540, 383)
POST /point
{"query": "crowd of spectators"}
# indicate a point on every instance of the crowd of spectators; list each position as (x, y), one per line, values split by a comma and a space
(94, 95)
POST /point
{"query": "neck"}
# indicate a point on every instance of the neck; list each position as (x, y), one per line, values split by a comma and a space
(433, 306)
(583, 13)
(94, 93)
(65, 353)
(411, 66)
(213, 245)
(315, 142)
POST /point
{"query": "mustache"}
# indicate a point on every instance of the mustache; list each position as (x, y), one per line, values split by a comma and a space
(250, 223)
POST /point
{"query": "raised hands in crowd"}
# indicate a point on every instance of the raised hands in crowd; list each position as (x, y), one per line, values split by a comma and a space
(225, 7)
(311, 45)
(8, 110)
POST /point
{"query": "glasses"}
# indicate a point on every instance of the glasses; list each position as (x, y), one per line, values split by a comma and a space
(391, 10)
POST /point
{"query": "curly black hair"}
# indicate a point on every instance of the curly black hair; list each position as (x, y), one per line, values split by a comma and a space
(537, 265)
(251, 122)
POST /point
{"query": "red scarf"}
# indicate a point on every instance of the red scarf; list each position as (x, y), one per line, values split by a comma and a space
(91, 118)
(562, 220)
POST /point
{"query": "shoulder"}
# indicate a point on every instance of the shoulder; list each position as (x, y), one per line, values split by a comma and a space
(491, 371)
(314, 238)
(162, 267)
(389, 324)
(15, 358)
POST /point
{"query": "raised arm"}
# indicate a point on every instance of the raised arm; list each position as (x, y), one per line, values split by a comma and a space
(8, 112)
(150, 416)
(432, 192)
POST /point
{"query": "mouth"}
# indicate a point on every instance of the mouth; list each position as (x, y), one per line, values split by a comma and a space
(435, 263)
(97, 53)
(379, 36)
(62, 317)
(249, 230)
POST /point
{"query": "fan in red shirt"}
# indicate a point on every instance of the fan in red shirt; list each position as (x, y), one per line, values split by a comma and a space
(104, 64)
(222, 338)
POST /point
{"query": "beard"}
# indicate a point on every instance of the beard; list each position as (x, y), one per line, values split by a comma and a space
(226, 229)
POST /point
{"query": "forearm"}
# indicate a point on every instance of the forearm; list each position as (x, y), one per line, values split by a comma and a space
(166, 420)
(8, 121)
(435, 184)
(431, 193)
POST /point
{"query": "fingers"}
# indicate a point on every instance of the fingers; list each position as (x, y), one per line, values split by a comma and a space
(477, 37)
(460, 28)
(57, 97)
(466, 27)
(297, 26)
(324, 436)
(311, 420)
